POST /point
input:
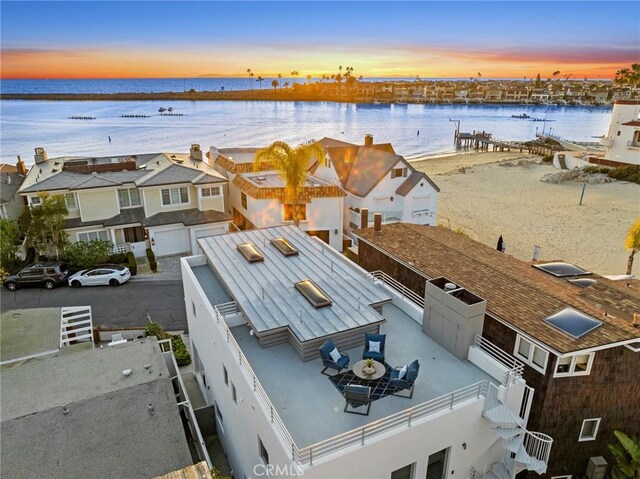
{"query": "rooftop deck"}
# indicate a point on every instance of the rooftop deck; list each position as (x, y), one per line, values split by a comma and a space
(311, 407)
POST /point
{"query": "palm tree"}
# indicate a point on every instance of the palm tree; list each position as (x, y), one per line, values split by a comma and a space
(295, 74)
(250, 75)
(286, 84)
(632, 243)
(274, 84)
(293, 165)
(279, 79)
(626, 455)
(260, 80)
(308, 78)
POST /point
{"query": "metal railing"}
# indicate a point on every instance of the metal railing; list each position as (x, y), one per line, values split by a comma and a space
(538, 446)
(405, 292)
(514, 367)
(356, 436)
(227, 309)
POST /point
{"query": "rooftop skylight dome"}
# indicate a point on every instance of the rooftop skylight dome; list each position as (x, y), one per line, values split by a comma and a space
(250, 252)
(573, 322)
(284, 246)
(561, 269)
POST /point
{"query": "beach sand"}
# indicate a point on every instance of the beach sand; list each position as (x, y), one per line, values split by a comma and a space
(488, 200)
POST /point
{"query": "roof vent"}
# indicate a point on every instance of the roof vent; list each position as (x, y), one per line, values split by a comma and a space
(450, 287)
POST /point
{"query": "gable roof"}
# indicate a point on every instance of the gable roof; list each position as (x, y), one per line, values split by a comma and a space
(179, 174)
(414, 178)
(371, 165)
(515, 292)
(8, 191)
(66, 180)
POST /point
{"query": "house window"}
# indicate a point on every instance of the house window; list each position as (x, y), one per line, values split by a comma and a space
(175, 196)
(576, 365)
(262, 451)
(399, 172)
(532, 354)
(35, 200)
(290, 212)
(618, 133)
(234, 394)
(70, 201)
(636, 138)
(210, 191)
(87, 236)
(405, 472)
(243, 200)
(589, 429)
(129, 198)
(226, 375)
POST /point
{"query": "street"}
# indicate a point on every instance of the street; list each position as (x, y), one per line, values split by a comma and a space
(126, 305)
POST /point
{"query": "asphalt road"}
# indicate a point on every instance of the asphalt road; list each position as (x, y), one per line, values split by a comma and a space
(126, 305)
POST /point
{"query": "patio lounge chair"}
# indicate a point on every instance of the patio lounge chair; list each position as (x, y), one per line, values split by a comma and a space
(329, 362)
(357, 396)
(370, 338)
(407, 382)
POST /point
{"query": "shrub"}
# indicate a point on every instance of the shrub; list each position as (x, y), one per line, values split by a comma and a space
(87, 254)
(153, 265)
(150, 254)
(118, 258)
(154, 329)
(629, 173)
(547, 159)
(183, 358)
(133, 264)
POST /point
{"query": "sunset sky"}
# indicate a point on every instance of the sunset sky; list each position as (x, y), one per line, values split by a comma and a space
(430, 39)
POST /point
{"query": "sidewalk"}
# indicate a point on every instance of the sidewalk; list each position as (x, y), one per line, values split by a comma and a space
(168, 269)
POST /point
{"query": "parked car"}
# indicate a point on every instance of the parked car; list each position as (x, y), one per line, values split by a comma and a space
(48, 274)
(108, 274)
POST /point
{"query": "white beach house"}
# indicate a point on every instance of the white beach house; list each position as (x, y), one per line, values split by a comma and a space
(622, 141)
(262, 303)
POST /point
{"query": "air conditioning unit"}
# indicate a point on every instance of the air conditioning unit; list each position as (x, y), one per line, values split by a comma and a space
(596, 468)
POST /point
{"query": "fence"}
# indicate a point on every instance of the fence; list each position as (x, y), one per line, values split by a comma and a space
(396, 285)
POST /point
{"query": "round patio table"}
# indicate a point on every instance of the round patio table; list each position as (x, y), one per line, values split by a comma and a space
(380, 370)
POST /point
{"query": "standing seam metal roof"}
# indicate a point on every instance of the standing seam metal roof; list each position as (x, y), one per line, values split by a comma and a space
(265, 290)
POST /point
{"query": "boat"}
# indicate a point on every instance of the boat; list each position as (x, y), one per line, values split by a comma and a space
(162, 109)
(522, 116)
(170, 108)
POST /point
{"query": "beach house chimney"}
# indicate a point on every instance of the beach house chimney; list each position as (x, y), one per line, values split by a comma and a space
(22, 169)
(377, 223)
(364, 217)
(41, 155)
(195, 152)
(368, 139)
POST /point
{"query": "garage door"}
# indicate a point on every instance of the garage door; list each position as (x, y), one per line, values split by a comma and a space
(170, 242)
(195, 247)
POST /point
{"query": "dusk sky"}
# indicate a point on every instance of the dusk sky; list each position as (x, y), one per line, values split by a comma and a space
(430, 39)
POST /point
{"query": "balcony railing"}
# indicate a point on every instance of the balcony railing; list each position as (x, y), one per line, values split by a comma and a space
(356, 436)
(514, 367)
(382, 277)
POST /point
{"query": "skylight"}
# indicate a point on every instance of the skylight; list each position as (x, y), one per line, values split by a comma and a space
(284, 247)
(313, 293)
(561, 269)
(250, 252)
(583, 282)
(572, 322)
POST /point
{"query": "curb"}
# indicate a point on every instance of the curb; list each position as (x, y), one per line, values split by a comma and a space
(154, 279)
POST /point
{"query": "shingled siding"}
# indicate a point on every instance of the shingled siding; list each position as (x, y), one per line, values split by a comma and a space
(610, 392)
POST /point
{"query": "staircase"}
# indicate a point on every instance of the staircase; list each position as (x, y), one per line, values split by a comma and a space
(517, 448)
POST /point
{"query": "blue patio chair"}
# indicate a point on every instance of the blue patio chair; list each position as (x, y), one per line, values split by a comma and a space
(374, 338)
(328, 361)
(357, 396)
(407, 382)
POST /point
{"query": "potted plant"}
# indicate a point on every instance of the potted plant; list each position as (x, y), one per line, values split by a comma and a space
(369, 367)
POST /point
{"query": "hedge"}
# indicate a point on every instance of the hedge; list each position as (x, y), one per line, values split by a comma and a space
(133, 264)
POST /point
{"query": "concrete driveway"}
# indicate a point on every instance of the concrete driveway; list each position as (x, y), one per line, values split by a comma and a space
(126, 305)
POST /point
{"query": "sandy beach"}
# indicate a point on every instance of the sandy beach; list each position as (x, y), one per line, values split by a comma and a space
(486, 198)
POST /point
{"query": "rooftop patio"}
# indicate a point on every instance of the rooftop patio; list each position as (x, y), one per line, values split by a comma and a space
(310, 405)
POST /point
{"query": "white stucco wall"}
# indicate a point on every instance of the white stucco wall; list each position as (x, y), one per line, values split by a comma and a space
(622, 148)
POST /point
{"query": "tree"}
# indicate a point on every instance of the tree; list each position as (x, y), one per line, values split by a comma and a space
(279, 80)
(260, 80)
(295, 74)
(632, 243)
(293, 165)
(555, 73)
(250, 77)
(628, 76)
(627, 457)
(86, 254)
(308, 79)
(44, 225)
(9, 237)
(274, 84)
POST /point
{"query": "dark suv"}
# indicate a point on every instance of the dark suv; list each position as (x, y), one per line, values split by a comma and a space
(49, 275)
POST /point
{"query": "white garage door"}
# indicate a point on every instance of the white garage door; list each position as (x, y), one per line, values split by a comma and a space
(170, 242)
(195, 247)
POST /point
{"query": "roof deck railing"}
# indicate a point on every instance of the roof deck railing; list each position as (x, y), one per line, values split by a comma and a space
(514, 367)
(382, 277)
(358, 436)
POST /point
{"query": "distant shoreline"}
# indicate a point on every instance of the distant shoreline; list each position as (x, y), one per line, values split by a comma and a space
(236, 95)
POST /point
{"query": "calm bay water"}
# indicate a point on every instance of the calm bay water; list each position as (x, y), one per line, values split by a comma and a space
(28, 124)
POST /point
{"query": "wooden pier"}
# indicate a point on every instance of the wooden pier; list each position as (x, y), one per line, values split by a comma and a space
(484, 141)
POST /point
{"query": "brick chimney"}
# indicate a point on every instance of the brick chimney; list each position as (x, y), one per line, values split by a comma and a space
(41, 155)
(368, 139)
(364, 217)
(377, 224)
(22, 169)
(195, 152)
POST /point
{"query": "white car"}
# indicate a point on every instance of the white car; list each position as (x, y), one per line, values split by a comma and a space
(109, 274)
